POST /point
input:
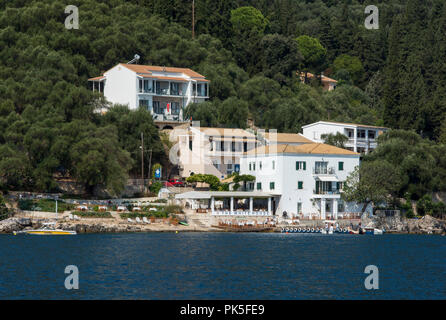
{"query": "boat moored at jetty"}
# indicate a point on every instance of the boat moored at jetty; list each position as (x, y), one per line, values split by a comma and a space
(47, 229)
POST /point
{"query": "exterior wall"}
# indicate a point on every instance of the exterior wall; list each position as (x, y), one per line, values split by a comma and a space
(286, 177)
(121, 86)
(206, 157)
(314, 132)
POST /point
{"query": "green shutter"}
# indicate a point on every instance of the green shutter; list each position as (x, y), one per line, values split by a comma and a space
(305, 165)
(300, 185)
(297, 165)
(317, 186)
(341, 166)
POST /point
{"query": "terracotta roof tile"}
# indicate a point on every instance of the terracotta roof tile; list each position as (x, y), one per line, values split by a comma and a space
(308, 148)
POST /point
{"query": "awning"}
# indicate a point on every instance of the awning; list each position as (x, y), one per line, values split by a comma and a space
(327, 178)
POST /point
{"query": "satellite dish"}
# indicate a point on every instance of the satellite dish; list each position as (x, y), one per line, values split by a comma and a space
(135, 59)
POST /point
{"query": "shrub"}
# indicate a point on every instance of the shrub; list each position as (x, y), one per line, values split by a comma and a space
(173, 208)
(4, 211)
(425, 206)
(156, 187)
(92, 214)
(26, 205)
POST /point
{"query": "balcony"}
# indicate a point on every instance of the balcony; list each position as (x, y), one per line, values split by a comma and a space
(326, 192)
(324, 171)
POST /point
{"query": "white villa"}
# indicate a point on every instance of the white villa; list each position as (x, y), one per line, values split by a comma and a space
(361, 138)
(165, 91)
(215, 151)
(305, 180)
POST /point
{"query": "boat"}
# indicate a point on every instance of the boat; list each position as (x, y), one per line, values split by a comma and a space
(47, 229)
(374, 231)
(244, 228)
(183, 223)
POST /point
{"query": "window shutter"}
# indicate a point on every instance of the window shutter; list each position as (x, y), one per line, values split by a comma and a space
(305, 165)
(297, 165)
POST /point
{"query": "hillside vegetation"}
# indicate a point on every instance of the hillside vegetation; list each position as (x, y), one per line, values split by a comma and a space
(250, 50)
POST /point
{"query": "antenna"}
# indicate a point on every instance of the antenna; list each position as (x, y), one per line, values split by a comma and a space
(135, 59)
(193, 19)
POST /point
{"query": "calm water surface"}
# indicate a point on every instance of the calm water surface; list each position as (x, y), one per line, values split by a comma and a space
(222, 266)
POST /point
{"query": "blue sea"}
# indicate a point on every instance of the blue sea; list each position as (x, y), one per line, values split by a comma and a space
(222, 266)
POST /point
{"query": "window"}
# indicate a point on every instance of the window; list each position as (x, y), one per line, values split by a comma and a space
(222, 146)
(321, 167)
(245, 146)
(323, 187)
(271, 185)
(144, 103)
(250, 167)
(372, 135)
(339, 185)
(148, 86)
(259, 186)
(299, 207)
(340, 166)
(300, 185)
(174, 88)
(361, 134)
(233, 146)
(190, 143)
(229, 168)
(301, 165)
(260, 165)
(157, 108)
(254, 166)
(140, 86)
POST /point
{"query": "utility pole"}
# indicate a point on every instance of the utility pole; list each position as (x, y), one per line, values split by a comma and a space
(142, 160)
(193, 19)
(150, 165)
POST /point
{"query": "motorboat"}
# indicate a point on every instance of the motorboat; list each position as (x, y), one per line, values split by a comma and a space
(48, 229)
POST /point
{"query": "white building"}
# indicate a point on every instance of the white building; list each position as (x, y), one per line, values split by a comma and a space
(361, 138)
(306, 180)
(215, 151)
(165, 91)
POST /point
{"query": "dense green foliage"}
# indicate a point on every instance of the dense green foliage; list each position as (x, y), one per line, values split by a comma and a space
(250, 50)
(4, 211)
(45, 205)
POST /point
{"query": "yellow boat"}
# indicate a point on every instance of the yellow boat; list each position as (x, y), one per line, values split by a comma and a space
(48, 230)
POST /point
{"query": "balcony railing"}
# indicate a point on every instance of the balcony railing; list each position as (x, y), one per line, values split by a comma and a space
(325, 192)
(322, 171)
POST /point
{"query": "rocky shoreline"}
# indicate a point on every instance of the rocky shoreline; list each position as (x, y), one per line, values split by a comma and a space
(11, 225)
(425, 225)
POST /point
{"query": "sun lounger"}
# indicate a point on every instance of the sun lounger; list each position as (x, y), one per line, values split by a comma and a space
(145, 220)
(129, 220)
(138, 220)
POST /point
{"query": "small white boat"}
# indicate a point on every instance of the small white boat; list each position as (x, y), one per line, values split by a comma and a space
(48, 229)
(374, 231)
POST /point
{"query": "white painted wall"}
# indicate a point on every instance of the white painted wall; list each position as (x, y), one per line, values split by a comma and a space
(121, 86)
(286, 177)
